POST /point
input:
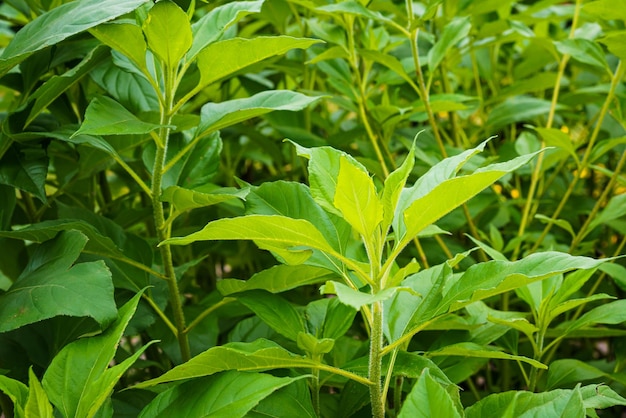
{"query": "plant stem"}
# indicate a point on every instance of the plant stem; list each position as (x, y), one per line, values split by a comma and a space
(375, 361)
(159, 217)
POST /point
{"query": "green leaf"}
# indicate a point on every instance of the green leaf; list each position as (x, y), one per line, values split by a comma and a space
(393, 186)
(17, 391)
(609, 313)
(350, 297)
(583, 50)
(554, 404)
(126, 38)
(168, 32)
(557, 138)
(291, 238)
(615, 42)
(453, 193)
(600, 397)
(518, 109)
(607, 9)
(494, 277)
(615, 209)
(357, 200)
(469, 349)
(428, 399)
(50, 286)
(323, 172)
(185, 199)
(237, 54)
(25, 169)
(105, 116)
(78, 381)
(275, 311)
(329, 318)
(214, 395)
(38, 404)
(293, 400)
(217, 116)
(571, 371)
(56, 85)
(314, 346)
(210, 27)
(257, 356)
(60, 23)
(276, 279)
(455, 31)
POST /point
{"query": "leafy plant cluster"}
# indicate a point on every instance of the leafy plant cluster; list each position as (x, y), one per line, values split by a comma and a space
(312, 208)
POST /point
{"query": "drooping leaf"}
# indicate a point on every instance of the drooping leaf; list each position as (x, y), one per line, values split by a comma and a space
(215, 396)
(79, 380)
(275, 311)
(357, 200)
(427, 399)
(216, 116)
(276, 279)
(557, 138)
(51, 286)
(168, 32)
(455, 31)
(60, 23)
(518, 109)
(237, 54)
(257, 356)
(210, 27)
(105, 116)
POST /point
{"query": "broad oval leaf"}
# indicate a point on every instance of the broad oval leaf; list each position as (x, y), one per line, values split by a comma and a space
(186, 199)
(60, 23)
(168, 32)
(455, 31)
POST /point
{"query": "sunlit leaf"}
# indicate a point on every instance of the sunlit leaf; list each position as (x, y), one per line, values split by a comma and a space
(168, 32)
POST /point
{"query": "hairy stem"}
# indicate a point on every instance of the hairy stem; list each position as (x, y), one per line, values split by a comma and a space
(375, 361)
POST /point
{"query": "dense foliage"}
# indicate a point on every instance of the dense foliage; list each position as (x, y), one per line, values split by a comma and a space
(300, 208)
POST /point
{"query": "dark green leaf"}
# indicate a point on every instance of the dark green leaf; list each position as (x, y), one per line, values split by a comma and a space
(51, 286)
